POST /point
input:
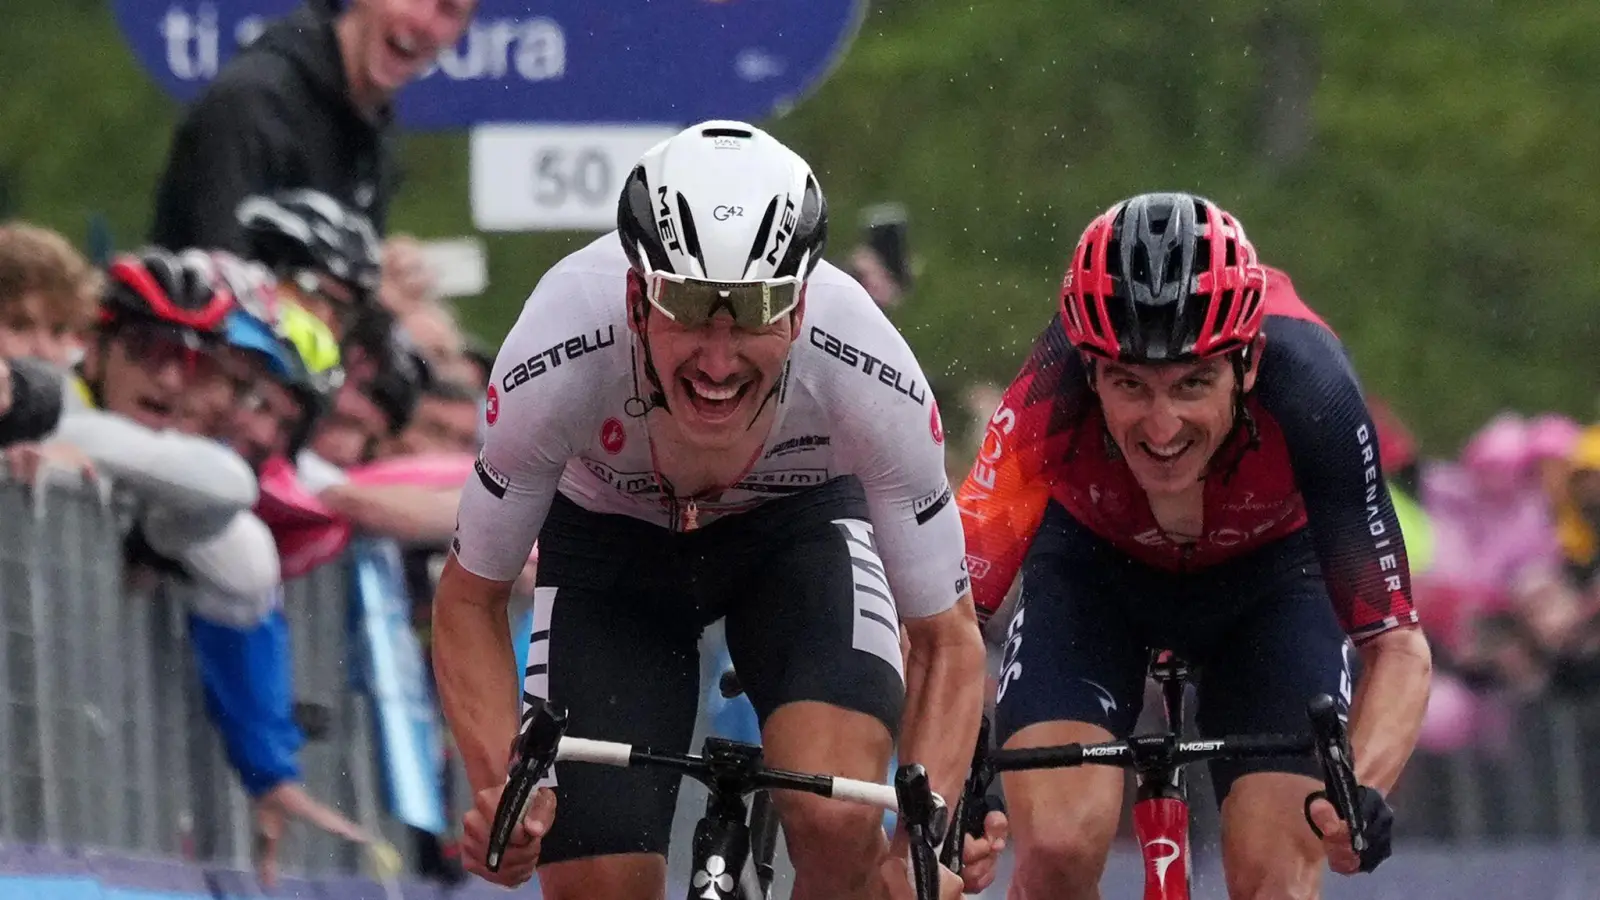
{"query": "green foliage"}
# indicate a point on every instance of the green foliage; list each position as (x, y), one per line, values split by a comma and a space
(1442, 214)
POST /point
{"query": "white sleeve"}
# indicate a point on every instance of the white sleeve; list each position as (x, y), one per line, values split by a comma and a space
(897, 448)
(236, 570)
(177, 470)
(536, 409)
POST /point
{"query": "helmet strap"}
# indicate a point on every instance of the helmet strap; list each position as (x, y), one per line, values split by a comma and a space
(638, 310)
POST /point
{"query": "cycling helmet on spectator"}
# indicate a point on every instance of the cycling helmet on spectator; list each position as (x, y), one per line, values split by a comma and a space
(249, 326)
(317, 375)
(184, 290)
(302, 233)
(1161, 278)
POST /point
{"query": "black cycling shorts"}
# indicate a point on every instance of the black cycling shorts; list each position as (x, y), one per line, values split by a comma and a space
(618, 612)
(1260, 630)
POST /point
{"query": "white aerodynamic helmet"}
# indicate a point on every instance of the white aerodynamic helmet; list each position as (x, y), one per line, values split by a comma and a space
(723, 201)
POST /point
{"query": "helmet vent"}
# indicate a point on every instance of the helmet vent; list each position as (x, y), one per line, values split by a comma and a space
(759, 245)
(1224, 307)
(1092, 307)
(726, 132)
(691, 235)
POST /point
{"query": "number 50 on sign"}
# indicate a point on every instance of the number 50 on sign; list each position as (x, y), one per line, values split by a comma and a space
(554, 177)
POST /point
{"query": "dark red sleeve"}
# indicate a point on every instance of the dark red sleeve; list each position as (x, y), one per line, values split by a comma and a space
(1308, 386)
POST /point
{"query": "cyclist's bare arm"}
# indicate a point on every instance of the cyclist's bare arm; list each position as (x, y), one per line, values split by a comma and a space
(476, 670)
(1386, 717)
(944, 694)
(896, 446)
(503, 506)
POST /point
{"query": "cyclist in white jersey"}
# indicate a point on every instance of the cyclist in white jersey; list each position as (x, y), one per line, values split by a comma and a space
(698, 418)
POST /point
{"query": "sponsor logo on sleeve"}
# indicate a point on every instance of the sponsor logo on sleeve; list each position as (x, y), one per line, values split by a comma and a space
(935, 425)
(553, 356)
(493, 482)
(491, 406)
(872, 366)
(928, 505)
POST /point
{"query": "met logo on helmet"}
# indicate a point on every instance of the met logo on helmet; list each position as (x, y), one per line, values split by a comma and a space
(664, 222)
(786, 223)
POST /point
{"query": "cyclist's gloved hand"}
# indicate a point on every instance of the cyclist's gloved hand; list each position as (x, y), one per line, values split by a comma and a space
(1378, 819)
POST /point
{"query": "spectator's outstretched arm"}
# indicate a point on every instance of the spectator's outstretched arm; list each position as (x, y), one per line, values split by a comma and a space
(403, 512)
(190, 474)
(219, 156)
(236, 567)
(30, 400)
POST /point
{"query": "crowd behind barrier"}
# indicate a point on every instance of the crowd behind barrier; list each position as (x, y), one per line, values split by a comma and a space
(105, 747)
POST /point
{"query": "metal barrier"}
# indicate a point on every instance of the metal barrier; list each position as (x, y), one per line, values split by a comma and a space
(104, 741)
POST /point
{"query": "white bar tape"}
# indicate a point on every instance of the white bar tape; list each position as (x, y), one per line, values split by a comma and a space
(870, 793)
(606, 753)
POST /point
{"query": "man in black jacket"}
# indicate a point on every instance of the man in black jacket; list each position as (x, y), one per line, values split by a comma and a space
(305, 105)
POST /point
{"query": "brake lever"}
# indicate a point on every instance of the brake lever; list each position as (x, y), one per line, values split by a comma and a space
(533, 752)
(1332, 745)
(925, 816)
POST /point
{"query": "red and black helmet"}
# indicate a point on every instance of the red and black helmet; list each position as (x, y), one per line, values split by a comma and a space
(1163, 278)
(186, 290)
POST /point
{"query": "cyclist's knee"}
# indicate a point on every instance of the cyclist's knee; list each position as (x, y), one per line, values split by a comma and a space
(1062, 820)
(1267, 849)
(1272, 878)
(619, 876)
(827, 828)
(843, 840)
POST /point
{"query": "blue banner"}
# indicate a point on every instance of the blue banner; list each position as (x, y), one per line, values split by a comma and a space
(552, 61)
(392, 672)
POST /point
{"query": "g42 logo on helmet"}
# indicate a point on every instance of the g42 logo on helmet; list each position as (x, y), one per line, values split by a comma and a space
(724, 213)
(664, 223)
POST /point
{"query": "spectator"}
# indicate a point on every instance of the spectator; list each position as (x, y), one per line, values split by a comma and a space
(48, 293)
(158, 336)
(1579, 512)
(306, 105)
(446, 421)
(409, 280)
(324, 253)
(241, 642)
(384, 380)
(433, 328)
(481, 356)
(882, 262)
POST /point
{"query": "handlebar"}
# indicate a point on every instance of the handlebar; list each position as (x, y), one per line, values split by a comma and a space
(1328, 742)
(725, 766)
